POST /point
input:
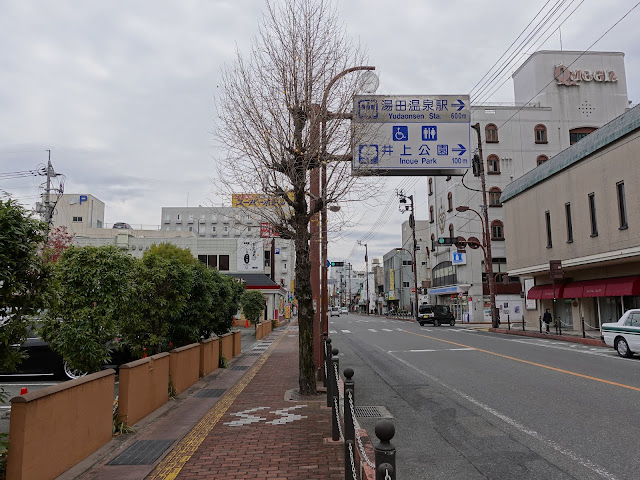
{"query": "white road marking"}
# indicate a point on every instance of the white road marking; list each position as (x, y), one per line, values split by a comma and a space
(345, 331)
(559, 345)
(333, 331)
(510, 421)
(386, 330)
(372, 330)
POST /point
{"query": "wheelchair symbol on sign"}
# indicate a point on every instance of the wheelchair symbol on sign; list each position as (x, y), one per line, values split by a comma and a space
(401, 133)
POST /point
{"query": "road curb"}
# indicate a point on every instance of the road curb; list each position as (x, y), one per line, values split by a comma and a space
(595, 342)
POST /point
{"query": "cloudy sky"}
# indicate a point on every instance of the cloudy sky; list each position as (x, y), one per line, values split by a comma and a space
(123, 92)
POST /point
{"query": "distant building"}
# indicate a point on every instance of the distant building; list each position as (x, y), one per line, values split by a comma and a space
(78, 212)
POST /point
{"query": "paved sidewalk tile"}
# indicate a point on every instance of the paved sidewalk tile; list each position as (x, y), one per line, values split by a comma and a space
(263, 436)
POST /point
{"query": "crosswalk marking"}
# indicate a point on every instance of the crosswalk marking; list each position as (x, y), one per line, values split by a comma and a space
(372, 330)
(345, 331)
(387, 330)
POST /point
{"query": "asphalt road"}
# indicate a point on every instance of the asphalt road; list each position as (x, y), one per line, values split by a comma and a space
(467, 403)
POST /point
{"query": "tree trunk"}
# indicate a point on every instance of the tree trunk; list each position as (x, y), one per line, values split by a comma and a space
(306, 379)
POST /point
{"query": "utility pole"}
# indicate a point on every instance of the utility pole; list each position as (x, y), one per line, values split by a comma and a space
(412, 225)
(349, 280)
(366, 261)
(491, 280)
(48, 208)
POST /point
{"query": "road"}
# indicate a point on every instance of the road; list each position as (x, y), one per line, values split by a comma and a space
(467, 403)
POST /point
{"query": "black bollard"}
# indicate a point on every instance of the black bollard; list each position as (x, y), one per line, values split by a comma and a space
(325, 337)
(328, 365)
(385, 451)
(523, 323)
(335, 394)
(349, 429)
(540, 320)
(584, 335)
(508, 323)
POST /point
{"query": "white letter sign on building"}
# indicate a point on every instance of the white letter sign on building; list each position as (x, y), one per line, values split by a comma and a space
(411, 135)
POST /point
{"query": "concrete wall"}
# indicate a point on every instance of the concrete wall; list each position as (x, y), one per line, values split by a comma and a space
(209, 355)
(237, 343)
(54, 428)
(184, 368)
(143, 387)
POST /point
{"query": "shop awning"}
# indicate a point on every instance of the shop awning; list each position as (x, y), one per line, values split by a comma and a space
(543, 292)
(604, 287)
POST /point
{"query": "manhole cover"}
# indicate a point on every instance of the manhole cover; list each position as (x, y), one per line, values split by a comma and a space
(210, 392)
(372, 412)
(142, 452)
(239, 367)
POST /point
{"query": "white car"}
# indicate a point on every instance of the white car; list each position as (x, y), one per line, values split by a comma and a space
(623, 335)
(334, 312)
(344, 310)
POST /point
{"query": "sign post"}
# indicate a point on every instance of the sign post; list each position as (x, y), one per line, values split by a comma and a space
(411, 134)
(556, 273)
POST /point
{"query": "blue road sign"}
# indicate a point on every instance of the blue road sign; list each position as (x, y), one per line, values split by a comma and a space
(400, 133)
(429, 133)
(368, 154)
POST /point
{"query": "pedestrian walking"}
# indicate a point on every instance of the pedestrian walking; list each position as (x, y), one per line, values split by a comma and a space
(546, 318)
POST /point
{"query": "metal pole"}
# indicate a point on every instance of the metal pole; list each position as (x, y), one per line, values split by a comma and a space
(366, 261)
(329, 366)
(326, 341)
(349, 429)
(412, 224)
(492, 288)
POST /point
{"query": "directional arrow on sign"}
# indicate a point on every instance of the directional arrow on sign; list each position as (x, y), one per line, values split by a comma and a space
(459, 104)
(460, 150)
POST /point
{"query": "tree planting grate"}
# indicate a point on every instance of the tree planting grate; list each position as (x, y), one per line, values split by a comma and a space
(210, 392)
(372, 412)
(239, 367)
(142, 452)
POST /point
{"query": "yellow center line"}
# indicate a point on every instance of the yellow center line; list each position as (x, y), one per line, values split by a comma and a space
(568, 372)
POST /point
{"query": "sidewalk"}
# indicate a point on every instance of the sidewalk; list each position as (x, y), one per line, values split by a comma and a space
(243, 422)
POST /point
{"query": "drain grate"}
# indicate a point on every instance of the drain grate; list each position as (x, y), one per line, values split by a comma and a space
(252, 354)
(372, 412)
(210, 392)
(142, 452)
(239, 367)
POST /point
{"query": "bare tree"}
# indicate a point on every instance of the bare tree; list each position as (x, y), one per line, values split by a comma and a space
(270, 128)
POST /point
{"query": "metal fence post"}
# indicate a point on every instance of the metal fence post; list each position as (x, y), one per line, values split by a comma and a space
(540, 321)
(584, 335)
(385, 451)
(335, 394)
(328, 366)
(508, 322)
(325, 337)
(349, 430)
(523, 323)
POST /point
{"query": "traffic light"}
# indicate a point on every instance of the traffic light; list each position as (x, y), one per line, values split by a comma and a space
(336, 264)
(447, 240)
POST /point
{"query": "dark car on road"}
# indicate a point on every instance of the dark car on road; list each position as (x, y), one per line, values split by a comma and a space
(436, 314)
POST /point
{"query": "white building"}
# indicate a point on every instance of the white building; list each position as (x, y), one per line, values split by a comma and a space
(78, 212)
(560, 97)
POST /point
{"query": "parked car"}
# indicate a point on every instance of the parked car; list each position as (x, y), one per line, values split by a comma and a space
(42, 360)
(121, 225)
(436, 314)
(334, 312)
(623, 335)
(344, 310)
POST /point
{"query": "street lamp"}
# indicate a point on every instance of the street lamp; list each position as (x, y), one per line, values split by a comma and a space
(488, 259)
(324, 116)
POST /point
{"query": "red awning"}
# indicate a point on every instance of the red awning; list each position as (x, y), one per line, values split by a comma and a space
(541, 292)
(594, 288)
(621, 286)
(573, 290)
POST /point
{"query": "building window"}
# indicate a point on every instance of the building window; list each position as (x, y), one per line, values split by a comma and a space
(267, 258)
(209, 260)
(541, 159)
(541, 134)
(224, 263)
(405, 284)
(547, 221)
(433, 242)
(494, 197)
(493, 165)
(497, 230)
(430, 186)
(622, 206)
(491, 133)
(179, 218)
(592, 215)
(451, 230)
(567, 211)
(77, 219)
(99, 223)
(449, 202)
(431, 214)
(577, 134)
